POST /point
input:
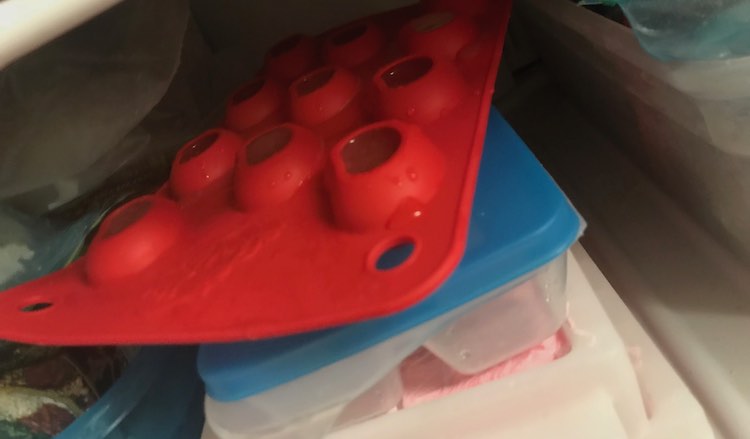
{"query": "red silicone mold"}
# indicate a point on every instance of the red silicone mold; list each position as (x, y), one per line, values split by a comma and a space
(338, 190)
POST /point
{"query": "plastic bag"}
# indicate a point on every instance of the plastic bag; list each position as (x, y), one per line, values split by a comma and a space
(31, 247)
(70, 111)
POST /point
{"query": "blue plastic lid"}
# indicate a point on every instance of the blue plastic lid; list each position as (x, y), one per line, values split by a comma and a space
(520, 221)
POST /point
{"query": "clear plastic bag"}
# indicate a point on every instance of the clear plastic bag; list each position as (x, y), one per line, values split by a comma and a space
(31, 247)
(72, 112)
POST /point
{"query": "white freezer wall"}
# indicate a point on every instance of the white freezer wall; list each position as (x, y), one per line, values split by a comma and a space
(684, 124)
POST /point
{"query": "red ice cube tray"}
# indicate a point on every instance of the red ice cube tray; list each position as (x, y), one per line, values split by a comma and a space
(349, 149)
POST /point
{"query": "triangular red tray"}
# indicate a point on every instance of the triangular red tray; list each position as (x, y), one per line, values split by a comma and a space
(339, 190)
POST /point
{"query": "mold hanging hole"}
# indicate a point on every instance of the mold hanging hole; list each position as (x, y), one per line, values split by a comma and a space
(248, 91)
(349, 34)
(407, 71)
(395, 255)
(369, 149)
(285, 46)
(127, 216)
(199, 147)
(314, 81)
(267, 144)
(35, 307)
(431, 22)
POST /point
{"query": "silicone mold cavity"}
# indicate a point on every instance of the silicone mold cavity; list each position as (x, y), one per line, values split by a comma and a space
(354, 45)
(132, 238)
(204, 162)
(419, 88)
(328, 101)
(292, 57)
(256, 105)
(380, 168)
(439, 34)
(275, 164)
(472, 8)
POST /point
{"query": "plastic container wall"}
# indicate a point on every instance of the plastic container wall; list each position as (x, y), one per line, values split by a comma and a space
(379, 399)
(473, 337)
(309, 406)
(506, 325)
(384, 396)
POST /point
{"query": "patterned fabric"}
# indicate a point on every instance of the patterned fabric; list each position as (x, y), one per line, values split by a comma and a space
(44, 389)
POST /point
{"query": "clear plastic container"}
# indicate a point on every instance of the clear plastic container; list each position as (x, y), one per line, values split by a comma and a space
(507, 325)
(598, 390)
(490, 329)
(302, 386)
(691, 29)
(382, 398)
(351, 390)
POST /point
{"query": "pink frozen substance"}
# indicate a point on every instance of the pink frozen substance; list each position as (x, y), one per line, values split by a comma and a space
(425, 377)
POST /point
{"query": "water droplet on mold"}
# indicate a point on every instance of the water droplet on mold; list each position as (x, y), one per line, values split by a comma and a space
(407, 212)
(287, 176)
(412, 174)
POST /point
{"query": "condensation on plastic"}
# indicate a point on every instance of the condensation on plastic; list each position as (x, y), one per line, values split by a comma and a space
(70, 112)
